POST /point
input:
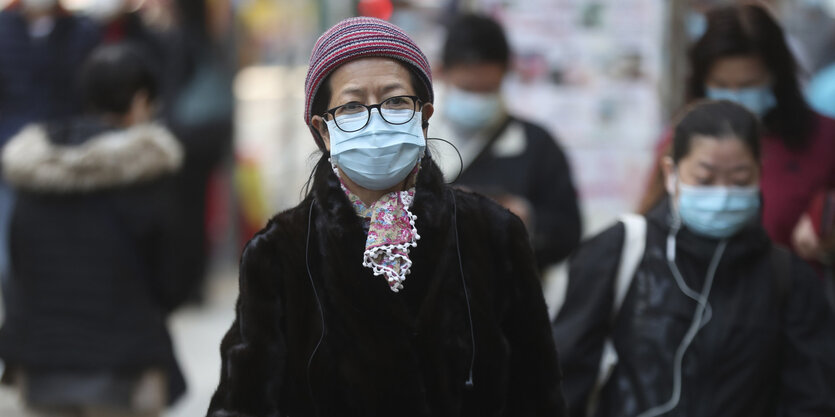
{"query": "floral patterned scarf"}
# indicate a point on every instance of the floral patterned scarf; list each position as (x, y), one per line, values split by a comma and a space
(391, 232)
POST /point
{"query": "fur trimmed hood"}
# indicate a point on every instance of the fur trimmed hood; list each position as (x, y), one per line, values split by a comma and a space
(110, 159)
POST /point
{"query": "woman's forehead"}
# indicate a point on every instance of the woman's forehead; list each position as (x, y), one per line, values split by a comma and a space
(372, 74)
(729, 150)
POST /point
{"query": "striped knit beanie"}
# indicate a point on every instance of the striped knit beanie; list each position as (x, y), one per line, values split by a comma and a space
(360, 37)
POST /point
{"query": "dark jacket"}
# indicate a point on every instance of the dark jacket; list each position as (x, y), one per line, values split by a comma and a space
(768, 345)
(540, 174)
(94, 272)
(38, 77)
(385, 353)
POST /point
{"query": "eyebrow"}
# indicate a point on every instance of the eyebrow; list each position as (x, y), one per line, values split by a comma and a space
(706, 165)
(738, 168)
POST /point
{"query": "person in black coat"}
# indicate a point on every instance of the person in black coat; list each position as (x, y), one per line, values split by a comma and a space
(385, 292)
(715, 320)
(515, 162)
(94, 262)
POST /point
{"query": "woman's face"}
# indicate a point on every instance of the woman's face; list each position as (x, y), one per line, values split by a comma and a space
(368, 81)
(738, 72)
(712, 161)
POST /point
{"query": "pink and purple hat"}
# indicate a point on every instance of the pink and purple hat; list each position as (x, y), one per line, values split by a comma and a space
(361, 37)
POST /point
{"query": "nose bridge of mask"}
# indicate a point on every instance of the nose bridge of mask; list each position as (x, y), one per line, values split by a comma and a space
(376, 134)
(720, 197)
(705, 197)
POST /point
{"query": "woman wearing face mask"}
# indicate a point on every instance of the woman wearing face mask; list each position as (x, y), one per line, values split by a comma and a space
(385, 292)
(743, 57)
(714, 319)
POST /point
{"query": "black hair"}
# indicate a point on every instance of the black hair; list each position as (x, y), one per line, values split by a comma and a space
(323, 96)
(113, 74)
(475, 39)
(750, 30)
(721, 119)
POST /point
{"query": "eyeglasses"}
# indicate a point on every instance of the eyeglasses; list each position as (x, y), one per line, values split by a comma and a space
(354, 116)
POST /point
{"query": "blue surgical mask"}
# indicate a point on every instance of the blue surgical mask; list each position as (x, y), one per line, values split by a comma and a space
(471, 111)
(380, 155)
(758, 100)
(717, 212)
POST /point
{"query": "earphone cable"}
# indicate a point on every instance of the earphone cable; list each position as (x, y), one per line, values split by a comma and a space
(469, 382)
(318, 302)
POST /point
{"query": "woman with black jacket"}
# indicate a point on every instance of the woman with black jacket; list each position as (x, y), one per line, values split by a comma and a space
(385, 292)
(95, 272)
(716, 320)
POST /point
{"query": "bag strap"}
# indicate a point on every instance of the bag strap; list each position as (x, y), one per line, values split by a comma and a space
(492, 139)
(634, 246)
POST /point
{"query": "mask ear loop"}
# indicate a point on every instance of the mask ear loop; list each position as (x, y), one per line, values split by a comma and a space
(460, 158)
(675, 226)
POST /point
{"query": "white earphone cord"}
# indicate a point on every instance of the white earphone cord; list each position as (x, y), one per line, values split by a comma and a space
(695, 325)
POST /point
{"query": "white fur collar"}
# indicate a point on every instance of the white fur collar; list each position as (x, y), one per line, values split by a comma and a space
(112, 159)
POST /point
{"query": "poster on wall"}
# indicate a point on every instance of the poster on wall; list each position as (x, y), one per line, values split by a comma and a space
(589, 72)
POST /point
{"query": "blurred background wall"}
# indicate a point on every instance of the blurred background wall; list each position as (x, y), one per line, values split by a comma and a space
(604, 76)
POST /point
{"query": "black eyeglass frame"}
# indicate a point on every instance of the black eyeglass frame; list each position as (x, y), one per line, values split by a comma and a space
(368, 108)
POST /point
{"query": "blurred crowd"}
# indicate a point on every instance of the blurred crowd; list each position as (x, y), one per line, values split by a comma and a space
(113, 122)
(117, 127)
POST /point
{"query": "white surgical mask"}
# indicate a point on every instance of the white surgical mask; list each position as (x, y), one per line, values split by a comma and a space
(471, 111)
(758, 100)
(379, 155)
(715, 211)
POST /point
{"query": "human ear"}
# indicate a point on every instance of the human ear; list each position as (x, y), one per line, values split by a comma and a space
(426, 112)
(319, 124)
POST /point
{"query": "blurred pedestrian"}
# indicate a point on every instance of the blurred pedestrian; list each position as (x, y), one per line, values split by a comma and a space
(41, 48)
(199, 109)
(385, 292)
(743, 57)
(93, 249)
(515, 162)
(196, 102)
(711, 318)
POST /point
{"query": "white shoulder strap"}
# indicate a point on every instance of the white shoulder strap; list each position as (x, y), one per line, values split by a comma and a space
(634, 244)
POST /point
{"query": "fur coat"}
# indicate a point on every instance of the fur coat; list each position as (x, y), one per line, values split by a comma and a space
(317, 334)
(92, 245)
